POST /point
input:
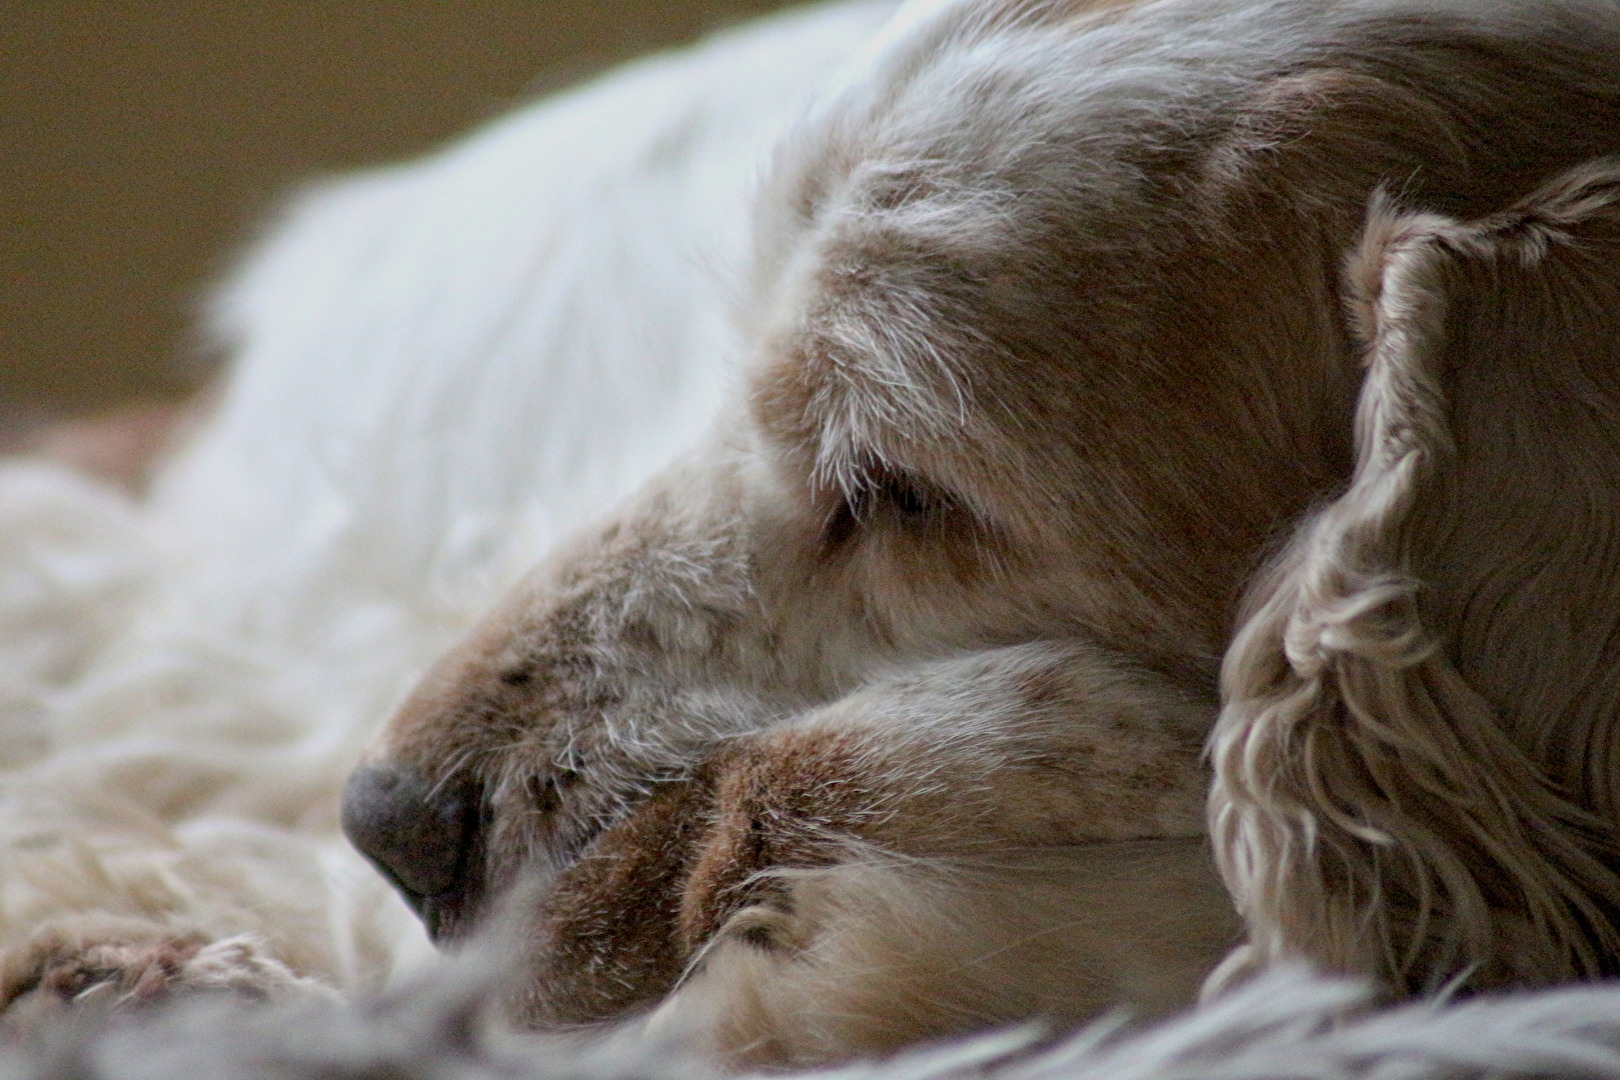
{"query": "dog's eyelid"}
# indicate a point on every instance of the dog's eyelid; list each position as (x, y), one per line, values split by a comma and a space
(544, 793)
(913, 498)
(910, 495)
(899, 494)
(517, 675)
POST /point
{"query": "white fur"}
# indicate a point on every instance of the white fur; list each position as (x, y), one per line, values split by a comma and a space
(1286, 1025)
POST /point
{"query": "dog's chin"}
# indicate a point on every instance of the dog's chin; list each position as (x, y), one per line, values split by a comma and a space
(501, 871)
(494, 901)
(449, 921)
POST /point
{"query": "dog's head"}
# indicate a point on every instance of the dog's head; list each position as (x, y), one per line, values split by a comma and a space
(1052, 355)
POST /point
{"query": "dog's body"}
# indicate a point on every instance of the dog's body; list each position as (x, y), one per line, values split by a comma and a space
(1086, 339)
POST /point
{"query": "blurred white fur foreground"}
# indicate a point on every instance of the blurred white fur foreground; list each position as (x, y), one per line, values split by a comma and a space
(185, 681)
(1286, 1025)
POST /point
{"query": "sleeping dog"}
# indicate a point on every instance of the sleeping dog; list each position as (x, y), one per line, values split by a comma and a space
(1124, 378)
(1126, 383)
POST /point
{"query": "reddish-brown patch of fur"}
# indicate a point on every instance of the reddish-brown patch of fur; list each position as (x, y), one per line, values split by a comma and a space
(795, 801)
(609, 932)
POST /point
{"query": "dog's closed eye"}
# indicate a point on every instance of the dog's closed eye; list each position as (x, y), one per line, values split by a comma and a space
(897, 499)
(544, 793)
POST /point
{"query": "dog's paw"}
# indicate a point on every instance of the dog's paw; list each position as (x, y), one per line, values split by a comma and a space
(110, 963)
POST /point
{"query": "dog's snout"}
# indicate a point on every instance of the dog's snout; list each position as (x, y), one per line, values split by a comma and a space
(419, 834)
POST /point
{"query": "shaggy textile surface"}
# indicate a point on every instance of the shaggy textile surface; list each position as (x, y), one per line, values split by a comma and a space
(1288, 1025)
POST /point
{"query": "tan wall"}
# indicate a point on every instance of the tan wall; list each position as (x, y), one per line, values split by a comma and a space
(140, 141)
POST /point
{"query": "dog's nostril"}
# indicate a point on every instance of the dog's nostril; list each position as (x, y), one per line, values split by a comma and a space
(416, 832)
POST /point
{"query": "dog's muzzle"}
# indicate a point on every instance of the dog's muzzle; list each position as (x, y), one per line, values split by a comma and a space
(424, 837)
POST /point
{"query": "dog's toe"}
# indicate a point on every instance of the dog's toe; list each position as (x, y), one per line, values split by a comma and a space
(134, 971)
(112, 963)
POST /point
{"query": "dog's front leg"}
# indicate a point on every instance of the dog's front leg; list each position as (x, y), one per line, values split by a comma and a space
(1016, 833)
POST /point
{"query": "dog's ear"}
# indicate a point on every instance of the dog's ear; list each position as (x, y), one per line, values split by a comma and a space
(1418, 764)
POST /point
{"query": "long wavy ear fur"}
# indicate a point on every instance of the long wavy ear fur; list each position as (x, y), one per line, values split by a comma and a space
(1418, 765)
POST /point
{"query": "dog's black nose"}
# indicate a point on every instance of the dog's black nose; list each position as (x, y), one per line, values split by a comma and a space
(420, 835)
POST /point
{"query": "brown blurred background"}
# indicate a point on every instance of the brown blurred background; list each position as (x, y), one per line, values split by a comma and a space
(143, 141)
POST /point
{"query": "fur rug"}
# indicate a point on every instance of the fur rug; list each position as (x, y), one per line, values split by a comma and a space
(185, 679)
(1286, 1026)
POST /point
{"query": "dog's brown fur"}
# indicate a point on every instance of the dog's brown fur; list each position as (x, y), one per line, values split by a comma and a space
(880, 716)
(1450, 642)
